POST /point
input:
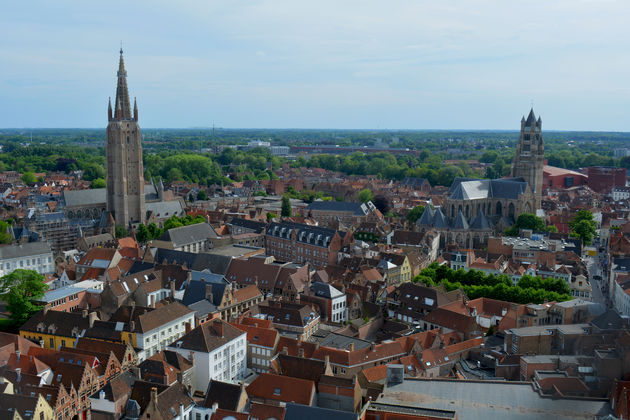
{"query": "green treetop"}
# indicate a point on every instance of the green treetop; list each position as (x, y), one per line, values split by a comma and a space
(19, 289)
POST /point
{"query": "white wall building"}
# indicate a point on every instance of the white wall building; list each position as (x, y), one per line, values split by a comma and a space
(29, 256)
(219, 351)
(156, 329)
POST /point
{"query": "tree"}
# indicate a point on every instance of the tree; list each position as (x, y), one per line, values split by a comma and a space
(527, 221)
(93, 171)
(29, 178)
(20, 289)
(414, 214)
(154, 231)
(201, 195)
(365, 196)
(5, 235)
(271, 216)
(98, 183)
(121, 231)
(583, 226)
(142, 235)
(285, 210)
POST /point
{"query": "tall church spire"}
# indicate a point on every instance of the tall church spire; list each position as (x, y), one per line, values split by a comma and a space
(122, 93)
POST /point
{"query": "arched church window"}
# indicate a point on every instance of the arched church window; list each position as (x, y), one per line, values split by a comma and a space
(499, 208)
(511, 210)
(467, 210)
(452, 210)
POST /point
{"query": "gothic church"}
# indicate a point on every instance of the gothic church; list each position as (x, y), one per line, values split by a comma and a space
(475, 209)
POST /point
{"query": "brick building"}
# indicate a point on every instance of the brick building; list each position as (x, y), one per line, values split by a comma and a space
(603, 178)
(288, 241)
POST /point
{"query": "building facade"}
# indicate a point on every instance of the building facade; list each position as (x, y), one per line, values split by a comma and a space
(35, 256)
(125, 175)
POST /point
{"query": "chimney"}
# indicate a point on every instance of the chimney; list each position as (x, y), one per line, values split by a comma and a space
(285, 350)
(101, 395)
(192, 357)
(17, 354)
(84, 313)
(215, 407)
(351, 347)
(154, 395)
(132, 326)
(135, 370)
(93, 316)
(172, 288)
(326, 359)
(181, 411)
(188, 328)
(46, 308)
(372, 347)
(301, 352)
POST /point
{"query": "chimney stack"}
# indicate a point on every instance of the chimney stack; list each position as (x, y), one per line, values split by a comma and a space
(17, 354)
(154, 395)
(93, 316)
(285, 350)
(351, 347)
(301, 352)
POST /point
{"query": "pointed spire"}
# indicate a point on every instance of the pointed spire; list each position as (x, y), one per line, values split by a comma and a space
(531, 118)
(135, 109)
(122, 93)
(109, 109)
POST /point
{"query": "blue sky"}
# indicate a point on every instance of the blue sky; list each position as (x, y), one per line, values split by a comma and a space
(446, 64)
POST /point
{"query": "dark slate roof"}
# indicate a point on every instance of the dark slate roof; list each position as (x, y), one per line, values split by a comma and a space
(208, 277)
(413, 182)
(196, 291)
(185, 235)
(358, 209)
(507, 187)
(480, 222)
(460, 221)
(225, 394)
(203, 308)
(215, 263)
(24, 250)
(439, 220)
(313, 235)
(20, 232)
(325, 290)
(305, 412)
(427, 217)
(609, 320)
(257, 227)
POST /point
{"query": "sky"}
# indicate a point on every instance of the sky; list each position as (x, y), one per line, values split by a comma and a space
(445, 64)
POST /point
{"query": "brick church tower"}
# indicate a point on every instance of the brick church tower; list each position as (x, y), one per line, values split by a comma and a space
(125, 174)
(530, 156)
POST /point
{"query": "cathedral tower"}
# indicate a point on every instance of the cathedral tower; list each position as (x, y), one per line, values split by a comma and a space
(125, 175)
(530, 156)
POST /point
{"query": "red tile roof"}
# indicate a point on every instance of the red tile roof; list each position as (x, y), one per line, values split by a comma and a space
(282, 388)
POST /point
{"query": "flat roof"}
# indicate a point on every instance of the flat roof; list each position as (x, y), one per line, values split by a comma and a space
(483, 400)
(417, 411)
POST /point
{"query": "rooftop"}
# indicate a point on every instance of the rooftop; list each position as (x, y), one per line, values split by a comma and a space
(482, 400)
